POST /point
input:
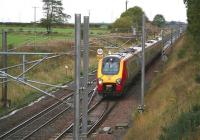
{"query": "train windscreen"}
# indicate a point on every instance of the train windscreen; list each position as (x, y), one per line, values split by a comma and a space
(110, 66)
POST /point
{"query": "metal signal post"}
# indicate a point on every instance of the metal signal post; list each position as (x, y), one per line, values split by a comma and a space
(76, 132)
(4, 60)
(35, 12)
(85, 76)
(126, 5)
(141, 106)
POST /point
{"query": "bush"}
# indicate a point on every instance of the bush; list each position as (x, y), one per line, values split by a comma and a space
(124, 22)
(182, 53)
(197, 78)
(29, 31)
(10, 30)
(55, 32)
(11, 46)
(21, 29)
(182, 128)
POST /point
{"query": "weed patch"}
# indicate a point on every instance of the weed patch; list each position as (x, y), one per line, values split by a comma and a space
(182, 53)
(197, 78)
(27, 99)
(184, 126)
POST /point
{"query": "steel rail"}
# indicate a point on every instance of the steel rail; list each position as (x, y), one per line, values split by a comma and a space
(72, 124)
(43, 125)
(61, 135)
(43, 112)
(40, 114)
(92, 97)
(59, 114)
(46, 84)
(102, 117)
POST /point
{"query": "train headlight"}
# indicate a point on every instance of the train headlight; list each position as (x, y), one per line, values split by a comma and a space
(118, 81)
(100, 81)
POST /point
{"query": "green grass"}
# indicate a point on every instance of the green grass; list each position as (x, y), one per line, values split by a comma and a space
(19, 36)
(18, 40)
(32, 29)
(54, 29)
(14, 39)
(27, 100)
(21, 39)
(185, 127)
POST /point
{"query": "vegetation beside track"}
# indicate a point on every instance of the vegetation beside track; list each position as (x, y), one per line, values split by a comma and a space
(172, 102)
(50, 71)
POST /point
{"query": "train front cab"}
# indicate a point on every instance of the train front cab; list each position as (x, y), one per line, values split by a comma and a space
(111, 76)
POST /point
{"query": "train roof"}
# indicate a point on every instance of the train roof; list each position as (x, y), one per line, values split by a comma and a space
(133, 50)
(125, 53)
(113, 55)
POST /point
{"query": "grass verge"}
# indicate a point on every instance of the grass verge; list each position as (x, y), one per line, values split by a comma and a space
(173, 92)
(185, 127)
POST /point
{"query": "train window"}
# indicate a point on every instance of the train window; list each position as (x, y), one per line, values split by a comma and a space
(110, 66)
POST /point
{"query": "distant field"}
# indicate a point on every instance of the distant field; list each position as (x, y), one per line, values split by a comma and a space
(19, 36)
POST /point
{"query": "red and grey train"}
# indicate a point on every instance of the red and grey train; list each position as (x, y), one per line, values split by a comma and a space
(116, 71)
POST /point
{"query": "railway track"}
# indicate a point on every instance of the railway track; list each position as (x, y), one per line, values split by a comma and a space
(109, 105)
(70, 127)
(29, 127)
(105, 107)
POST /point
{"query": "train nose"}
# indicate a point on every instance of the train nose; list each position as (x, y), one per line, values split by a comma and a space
(99, 85)
(118, 88)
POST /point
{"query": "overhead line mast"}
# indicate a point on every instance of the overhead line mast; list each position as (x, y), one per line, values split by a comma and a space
(126, 5)
(35, 12)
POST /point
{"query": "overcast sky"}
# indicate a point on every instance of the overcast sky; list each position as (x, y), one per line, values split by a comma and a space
(100, 10)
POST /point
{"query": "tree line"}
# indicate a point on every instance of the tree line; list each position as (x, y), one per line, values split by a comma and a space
(132, 18)
(53, 14)
(53, 11)
(193, 18)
